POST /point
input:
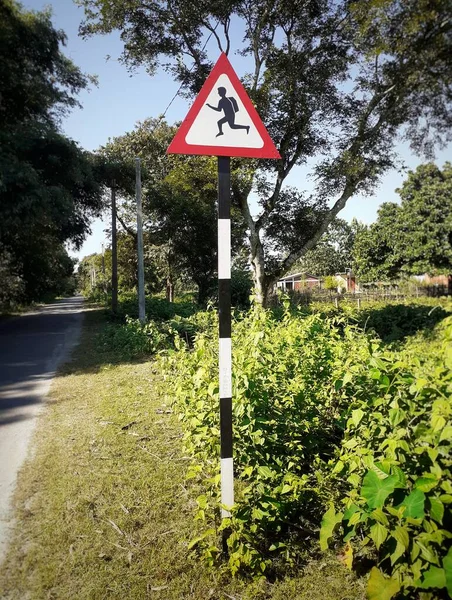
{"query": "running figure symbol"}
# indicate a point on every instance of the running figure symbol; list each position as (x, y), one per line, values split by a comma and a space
(230, 107)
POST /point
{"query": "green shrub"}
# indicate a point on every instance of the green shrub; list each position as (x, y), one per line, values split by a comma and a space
(132, 339)
(241, 288)
(287, 426)
(396, 462)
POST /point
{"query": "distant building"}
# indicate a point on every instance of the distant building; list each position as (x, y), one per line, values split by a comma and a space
(298, 281)
(347, 281)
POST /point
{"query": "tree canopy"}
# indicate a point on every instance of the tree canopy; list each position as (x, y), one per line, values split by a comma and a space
(414, 237)
(333, 253)
(336, 83)
(179, 205)
(49, 189)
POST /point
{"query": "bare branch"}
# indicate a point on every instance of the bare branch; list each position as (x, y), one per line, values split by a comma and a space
(126, 228)
(212, 30)
(292, 257)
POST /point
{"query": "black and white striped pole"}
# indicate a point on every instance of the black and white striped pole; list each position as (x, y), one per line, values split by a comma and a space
(225, 347)
(201, 133)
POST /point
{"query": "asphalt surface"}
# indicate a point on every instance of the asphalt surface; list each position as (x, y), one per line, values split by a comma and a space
(32, 347)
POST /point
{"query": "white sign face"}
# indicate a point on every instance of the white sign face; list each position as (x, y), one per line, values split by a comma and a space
(223, 120)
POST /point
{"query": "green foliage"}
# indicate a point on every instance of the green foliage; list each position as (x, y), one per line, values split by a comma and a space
(395, 322)
(287, 373)
(157, 308)
(336, 84)
(304, 387)
(332, 254)
(48, 189)
(133, 340)
(413, 237)
(241, 288)
(396, 464)
(330, 283)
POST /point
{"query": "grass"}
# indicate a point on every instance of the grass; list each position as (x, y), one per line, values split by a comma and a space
(102, 506)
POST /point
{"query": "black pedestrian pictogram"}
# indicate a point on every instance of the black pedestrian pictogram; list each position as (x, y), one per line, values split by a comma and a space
(230, 107)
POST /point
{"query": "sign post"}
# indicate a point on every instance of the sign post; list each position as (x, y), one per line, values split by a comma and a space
(223, 122)
(225, 346)
(141, 297)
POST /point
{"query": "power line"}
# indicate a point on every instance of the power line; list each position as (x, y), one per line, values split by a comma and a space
(190, 70)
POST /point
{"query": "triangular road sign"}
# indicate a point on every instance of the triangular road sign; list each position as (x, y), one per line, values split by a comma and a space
(223, 120)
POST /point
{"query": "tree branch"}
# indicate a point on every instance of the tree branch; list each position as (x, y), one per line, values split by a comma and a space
(126, 228)
(193, 52)
(292, 257)
(212, 30)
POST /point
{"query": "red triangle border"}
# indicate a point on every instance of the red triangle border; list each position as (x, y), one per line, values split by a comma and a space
(180, 146)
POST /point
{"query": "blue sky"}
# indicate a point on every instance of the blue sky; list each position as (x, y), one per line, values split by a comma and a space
(122, 98)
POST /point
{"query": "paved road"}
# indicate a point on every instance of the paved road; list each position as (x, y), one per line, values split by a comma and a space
(32, 346)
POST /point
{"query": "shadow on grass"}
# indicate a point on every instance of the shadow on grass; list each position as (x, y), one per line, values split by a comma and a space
(395, 322)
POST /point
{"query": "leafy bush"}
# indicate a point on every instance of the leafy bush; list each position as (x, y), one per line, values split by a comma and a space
(157, 308)
(396, 462)
(287, 416)
(241, 288)
(397, 321)
(133, 339)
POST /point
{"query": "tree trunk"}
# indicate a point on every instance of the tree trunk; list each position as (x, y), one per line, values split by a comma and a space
(169, 288)
(262, 283)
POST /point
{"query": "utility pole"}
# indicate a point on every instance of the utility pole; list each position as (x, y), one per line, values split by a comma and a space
(114, 251)
(141, 299)
(104, 281)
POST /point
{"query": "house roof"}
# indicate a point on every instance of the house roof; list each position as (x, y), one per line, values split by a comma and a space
(298, 275)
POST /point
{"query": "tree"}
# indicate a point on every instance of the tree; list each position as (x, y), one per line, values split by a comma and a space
(424, 234)
(332, 254)
(414, 237)
(48, 188)
(374, 258)
(179, 206)
(336, 83)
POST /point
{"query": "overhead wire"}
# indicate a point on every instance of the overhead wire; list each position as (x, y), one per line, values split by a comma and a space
(190, 70)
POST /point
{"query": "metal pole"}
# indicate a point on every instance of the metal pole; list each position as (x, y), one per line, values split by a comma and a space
(225, 353)
(104, 280)
(141, 300)
(114, 251)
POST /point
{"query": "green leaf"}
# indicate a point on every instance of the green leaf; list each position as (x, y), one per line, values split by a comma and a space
(436, 509)
(357, 415)
(201, 501)
(376, 490)
(286, 489)
(396, 416)
(277, 546)
(402, 536)
(350, 511)
(329, 522)
(426, 483)
(434, 578)
(380, 587)
(446, 498)
(400, 476)
(414, 505)
(265, 472)
(446, 434)
(378, 534)
(399, 550)
(438, 422)
(447, 566)
(380, 516)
